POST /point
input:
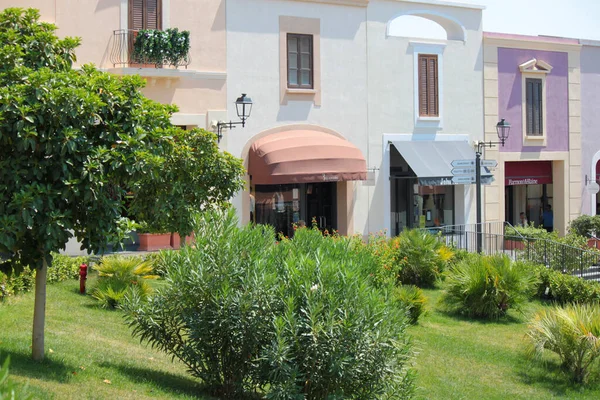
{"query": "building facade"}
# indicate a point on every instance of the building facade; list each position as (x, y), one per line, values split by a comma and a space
(198, 85)
(590, 123)
(355, 123)
(534, 83)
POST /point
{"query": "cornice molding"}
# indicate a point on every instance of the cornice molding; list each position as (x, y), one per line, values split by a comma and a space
(354, 3)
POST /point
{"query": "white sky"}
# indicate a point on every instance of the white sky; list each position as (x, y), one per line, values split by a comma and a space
(568, 18)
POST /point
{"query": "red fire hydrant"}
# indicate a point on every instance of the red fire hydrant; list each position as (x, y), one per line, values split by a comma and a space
(82, 277)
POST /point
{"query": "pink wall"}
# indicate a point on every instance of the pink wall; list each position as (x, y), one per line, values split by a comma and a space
(557, 99)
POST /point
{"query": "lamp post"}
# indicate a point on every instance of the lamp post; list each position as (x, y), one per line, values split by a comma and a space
(243, 106)
(503, 130)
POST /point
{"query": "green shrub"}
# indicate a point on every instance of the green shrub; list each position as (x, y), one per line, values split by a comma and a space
(168, 47)
(487, 286)
(297, 319)
(413, 300)
(530, 231)
(9, 390)
(573, 333)
(420, 258)
(585, 225)
(564, 288)
(118, 275)
(65, 267)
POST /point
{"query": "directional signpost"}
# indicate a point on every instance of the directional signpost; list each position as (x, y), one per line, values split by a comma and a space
(489, 163)
(463, 180)
(463, 172)
(463, 163)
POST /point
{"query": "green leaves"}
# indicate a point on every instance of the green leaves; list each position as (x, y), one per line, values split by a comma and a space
(74, 142)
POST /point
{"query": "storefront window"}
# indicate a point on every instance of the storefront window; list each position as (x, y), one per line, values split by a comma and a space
(282, 206)
(420, 206)
(530, 199)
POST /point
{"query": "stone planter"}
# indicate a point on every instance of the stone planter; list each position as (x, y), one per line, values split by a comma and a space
(154, 241)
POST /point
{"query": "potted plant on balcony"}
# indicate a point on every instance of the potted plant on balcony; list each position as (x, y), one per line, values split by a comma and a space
(168, 47)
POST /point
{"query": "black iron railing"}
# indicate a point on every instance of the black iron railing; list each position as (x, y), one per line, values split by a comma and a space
(122, 53)
(583, 262)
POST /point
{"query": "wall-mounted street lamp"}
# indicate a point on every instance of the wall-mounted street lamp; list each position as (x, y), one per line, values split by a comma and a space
(243, 106)
(503, 130)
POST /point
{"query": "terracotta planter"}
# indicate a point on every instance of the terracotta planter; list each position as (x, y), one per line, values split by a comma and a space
(176, 240)
(594, 243)
(513, 245)
(154, 241)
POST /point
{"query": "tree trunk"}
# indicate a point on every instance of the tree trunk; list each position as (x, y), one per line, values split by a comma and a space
(39, 313)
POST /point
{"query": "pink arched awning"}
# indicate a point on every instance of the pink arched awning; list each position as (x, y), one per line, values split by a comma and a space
(302, 156)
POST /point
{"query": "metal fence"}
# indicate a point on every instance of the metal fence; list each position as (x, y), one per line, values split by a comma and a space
(582, 262)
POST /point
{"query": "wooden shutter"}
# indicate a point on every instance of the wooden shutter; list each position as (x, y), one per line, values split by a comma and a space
(428, 85)
(145, 14)
(534, 106)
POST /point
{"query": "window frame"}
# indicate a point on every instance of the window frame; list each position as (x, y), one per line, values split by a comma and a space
(430, 49)
(538, 70)
(299, 69)
(537, 124)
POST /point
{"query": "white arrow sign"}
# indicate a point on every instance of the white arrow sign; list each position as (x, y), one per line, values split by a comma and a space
(463, 180)
(489, 163)
(463, 163)
(463, 171)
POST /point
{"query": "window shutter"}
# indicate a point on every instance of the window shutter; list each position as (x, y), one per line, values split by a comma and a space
(428, 86)
(432, 86)
(534, 107)
(422, 85)
(153, 14)
(136, 12)
(145, 14)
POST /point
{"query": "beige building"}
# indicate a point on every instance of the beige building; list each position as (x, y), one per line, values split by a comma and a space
(107, 30)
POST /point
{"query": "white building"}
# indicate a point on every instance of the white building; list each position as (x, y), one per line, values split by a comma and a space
(356, 116)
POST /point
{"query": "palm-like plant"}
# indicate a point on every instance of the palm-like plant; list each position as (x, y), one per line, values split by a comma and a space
(117, 275)
(572, 332)
(421, 257)
(487, 286)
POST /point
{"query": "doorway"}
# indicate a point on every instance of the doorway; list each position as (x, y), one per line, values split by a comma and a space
(282, 206)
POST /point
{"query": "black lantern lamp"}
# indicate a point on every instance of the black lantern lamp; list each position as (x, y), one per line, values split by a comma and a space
(503, 129)
(243, 106)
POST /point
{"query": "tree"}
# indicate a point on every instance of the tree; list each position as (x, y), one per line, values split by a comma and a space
(73, 141)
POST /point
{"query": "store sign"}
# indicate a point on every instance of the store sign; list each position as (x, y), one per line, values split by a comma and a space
(524, 181)
(330, 178)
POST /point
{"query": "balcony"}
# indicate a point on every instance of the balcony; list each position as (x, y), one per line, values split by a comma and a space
(154, 54)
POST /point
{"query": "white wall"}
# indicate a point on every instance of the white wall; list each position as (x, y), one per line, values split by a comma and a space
(367, 84)
(253, 68)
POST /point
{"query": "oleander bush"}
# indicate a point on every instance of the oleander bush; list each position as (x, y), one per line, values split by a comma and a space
(487, 286)
(573, 333)
(300, 318)
(412, 299)
(118, 275)
(8, 389)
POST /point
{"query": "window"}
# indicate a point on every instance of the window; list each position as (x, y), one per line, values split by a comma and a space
(145, 14)
(534, 110)
(428, 85)
(300, 61)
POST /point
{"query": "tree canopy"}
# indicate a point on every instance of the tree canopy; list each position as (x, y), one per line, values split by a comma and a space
(72, 142)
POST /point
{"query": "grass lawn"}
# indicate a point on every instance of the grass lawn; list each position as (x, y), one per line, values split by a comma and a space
(465, 359)
(90, 353)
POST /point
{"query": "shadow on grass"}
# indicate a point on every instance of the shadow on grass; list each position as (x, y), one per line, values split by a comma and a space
(508, 319)
(48, 369)
(551, 376)
(166, 380)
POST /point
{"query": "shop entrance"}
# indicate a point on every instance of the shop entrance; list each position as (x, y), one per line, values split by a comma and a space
(528, 190)
(284, 205)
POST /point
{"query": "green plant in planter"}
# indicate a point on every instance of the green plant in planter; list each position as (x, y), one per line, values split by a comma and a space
(168, 47)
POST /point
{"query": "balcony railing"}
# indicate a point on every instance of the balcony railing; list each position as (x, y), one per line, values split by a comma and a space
(124, 53)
